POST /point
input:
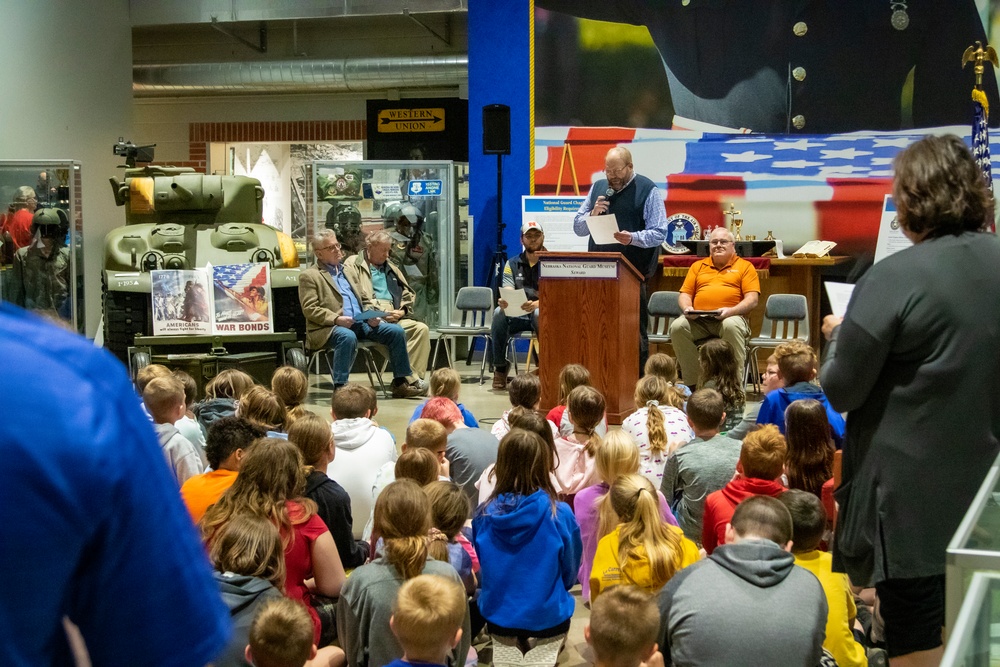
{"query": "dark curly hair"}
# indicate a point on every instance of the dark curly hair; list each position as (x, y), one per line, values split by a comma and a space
(939, 189)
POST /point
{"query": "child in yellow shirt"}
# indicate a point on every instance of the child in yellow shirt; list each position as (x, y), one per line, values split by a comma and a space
(642, 550)
(808, 524)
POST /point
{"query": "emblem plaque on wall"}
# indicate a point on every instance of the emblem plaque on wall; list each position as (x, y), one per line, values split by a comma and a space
(681, 227)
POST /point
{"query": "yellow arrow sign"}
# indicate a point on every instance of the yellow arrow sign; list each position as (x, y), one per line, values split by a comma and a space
(411, 120)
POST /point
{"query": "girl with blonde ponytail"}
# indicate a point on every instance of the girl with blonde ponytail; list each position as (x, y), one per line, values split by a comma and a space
(617, 456)
(642, 550)
(576, 470)
(403, 519)
(657, 427)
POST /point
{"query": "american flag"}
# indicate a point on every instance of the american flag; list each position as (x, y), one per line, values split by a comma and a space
(800, 188)
(237, 277)
(981, 142)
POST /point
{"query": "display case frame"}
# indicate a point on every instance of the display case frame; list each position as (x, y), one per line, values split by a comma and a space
(61, 188)
(967, 552)
(386, 181)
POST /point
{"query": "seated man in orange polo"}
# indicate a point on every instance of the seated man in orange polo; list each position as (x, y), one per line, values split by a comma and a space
(727, 288)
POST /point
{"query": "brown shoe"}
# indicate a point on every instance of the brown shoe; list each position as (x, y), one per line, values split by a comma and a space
(404, 390)
(500, 380)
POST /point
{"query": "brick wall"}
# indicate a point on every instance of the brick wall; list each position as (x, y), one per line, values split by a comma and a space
(200, 135)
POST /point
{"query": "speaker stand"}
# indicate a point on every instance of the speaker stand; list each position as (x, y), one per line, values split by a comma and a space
(500, 256)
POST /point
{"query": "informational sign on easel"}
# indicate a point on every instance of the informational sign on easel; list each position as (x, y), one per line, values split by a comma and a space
(555, 214)
(890, 233)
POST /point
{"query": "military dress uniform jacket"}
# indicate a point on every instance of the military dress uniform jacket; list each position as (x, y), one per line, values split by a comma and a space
(321, 304)
(801, 66)
(359, 272)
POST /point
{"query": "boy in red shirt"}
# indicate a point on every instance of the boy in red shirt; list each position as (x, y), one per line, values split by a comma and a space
(762, 460)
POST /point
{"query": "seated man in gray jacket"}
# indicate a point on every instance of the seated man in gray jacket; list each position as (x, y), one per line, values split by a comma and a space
(747, 603)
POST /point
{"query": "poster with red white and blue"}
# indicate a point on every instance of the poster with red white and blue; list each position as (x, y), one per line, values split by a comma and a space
(242, 299)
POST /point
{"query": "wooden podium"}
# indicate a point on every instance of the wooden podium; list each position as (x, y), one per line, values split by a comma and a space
(589, 314)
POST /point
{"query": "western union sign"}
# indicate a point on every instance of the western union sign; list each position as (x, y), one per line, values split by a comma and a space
(411, 120)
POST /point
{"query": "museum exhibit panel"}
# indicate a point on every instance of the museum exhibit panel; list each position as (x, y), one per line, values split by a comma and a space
(41, 238)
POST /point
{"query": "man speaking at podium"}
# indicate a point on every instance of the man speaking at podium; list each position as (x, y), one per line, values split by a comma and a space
(637, 205)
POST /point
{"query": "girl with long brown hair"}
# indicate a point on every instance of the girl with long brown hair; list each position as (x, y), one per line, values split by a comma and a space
(403, 519)
(575, 470)
(720, 371)
(642, 549)
(270, 485)
(809, 460)
(529, 552)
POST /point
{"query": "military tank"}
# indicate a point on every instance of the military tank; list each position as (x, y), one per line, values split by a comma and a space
(176, 218)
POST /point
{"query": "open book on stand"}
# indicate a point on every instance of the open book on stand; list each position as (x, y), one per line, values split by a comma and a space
(814, 250)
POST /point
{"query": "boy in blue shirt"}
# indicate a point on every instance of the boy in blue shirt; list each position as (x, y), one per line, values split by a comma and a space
(797, 367)
(427, 620)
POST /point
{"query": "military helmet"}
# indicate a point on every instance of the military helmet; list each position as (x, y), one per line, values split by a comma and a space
(51, 223)
(410, 212)
(344, 219)
(391, 211)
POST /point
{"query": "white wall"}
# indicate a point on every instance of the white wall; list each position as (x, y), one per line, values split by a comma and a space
(67, 82)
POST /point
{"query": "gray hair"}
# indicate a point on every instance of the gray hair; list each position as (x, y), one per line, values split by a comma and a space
(728, 233)
(321, 237)
(24, 193)
(378, 237)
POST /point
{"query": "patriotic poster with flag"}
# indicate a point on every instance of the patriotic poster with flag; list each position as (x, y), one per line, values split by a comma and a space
(799, 188)
(181, 303)
(242, 299)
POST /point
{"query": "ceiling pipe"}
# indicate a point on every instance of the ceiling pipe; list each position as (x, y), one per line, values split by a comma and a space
(301, 76)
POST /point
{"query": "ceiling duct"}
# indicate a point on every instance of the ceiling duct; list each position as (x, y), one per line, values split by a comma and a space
(301, 76)
(181, 12)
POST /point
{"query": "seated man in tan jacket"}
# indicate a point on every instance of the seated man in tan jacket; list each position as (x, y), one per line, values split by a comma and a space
(382, 286)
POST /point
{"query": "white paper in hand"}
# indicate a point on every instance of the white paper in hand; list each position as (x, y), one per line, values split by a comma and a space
(603, 228)
(839, 295)
(515, 298)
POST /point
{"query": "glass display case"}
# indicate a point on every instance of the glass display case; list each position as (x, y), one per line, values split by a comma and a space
(41, 238)
(974, 640)
(976, 544)
(424, 207)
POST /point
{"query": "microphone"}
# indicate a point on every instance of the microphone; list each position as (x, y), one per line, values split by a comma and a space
(607, 196)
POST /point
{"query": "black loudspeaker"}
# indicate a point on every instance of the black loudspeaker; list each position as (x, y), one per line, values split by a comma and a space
(496, 129)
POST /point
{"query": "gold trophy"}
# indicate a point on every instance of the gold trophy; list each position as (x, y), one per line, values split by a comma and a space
(736, 222)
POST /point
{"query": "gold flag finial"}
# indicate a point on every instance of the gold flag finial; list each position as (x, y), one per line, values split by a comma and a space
(978, 56)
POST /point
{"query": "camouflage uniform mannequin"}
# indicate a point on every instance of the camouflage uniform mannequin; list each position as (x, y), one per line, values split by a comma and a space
(413, 250)
(41, 272)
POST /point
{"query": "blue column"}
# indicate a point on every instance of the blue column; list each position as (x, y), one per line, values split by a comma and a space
(500, 72)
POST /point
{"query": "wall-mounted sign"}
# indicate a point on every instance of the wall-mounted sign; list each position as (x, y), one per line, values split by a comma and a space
(411, 120)
(424, 188)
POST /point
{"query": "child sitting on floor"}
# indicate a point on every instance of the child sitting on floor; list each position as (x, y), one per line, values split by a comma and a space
(623, 628)
(446, 382)
(658, 426)
(762, 457)
(808, 526)
(291, 385)
(427, 621)
(797, 368)
(449, 512)
(665, 366)
(575, 470)
(525, 392)
(281, 636)
(720, 371)
(642, 549)
(164, 400)
(570, 377)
